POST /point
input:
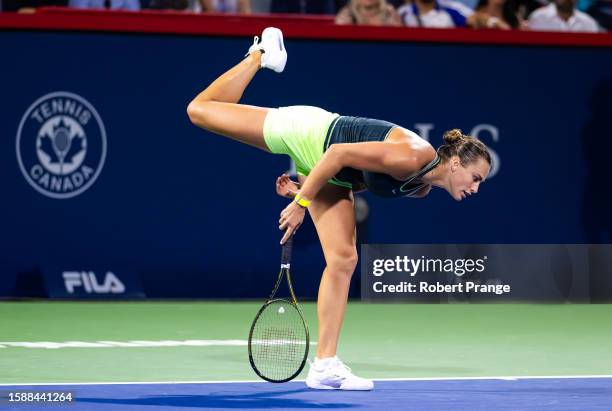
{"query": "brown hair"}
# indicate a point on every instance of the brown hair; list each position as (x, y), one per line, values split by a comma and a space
(467, 148)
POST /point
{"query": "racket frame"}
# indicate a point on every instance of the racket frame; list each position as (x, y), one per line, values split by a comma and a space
(284, 272)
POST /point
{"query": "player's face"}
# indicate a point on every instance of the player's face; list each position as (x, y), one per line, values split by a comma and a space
(465, 181)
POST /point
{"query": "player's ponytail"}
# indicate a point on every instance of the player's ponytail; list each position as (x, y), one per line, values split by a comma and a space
(467, 148)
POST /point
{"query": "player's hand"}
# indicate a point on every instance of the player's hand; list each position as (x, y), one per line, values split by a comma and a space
(285, 187)
(290, 219)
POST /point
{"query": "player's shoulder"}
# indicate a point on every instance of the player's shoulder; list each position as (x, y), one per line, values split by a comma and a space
(417, 143)
(420, 148)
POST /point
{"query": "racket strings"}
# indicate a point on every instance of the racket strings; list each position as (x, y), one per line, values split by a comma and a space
(279, 341)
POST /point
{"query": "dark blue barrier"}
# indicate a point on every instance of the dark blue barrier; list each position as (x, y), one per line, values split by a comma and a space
(196, 214)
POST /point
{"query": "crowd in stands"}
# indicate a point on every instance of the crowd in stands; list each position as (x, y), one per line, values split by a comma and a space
(543, 15)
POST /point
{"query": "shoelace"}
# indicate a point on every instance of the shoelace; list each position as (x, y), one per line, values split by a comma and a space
(344, 370)
(255, 43)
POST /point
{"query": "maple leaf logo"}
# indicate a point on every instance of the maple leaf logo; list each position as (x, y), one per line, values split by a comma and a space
(61, 144)
(46, 146)
(76, 146)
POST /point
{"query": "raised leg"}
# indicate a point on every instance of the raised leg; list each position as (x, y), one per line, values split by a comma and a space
(216, 109)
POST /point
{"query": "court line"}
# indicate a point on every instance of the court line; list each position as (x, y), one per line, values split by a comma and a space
(509, 378)
(126, 344)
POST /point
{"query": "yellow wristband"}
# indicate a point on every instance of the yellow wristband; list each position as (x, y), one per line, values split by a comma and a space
(302, 202)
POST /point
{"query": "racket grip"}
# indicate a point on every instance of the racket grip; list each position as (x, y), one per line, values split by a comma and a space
(286, 253)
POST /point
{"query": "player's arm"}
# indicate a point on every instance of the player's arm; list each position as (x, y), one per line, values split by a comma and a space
(397, 160)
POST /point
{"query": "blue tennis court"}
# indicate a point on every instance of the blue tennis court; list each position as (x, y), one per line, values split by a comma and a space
(571, 393)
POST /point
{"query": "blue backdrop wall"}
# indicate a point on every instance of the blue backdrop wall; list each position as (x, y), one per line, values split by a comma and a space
(169, 202)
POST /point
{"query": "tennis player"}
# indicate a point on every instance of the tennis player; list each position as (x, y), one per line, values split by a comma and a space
(334, 156)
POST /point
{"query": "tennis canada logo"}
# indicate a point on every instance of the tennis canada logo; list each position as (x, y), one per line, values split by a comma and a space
(61, 145)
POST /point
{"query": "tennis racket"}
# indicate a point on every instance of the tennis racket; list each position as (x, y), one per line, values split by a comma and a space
(279, 340)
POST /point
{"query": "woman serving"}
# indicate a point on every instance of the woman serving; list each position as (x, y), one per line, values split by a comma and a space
(334, 156)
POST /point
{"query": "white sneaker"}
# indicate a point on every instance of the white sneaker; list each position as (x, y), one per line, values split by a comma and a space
(332, 374)
(274, 55)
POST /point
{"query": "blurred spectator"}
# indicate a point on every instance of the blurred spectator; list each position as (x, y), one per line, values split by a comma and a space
(260, 6)
(526, 7)
(105, 4)
(600, 10)
(303, 6)
(561, 15)
(496, 14)
(368, 12)
(434, 13)
(226, 6)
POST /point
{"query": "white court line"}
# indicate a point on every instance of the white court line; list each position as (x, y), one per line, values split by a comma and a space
(510, 378)
(50, 345)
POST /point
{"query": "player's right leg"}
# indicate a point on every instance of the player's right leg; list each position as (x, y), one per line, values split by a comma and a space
(216, 109)
(333, 215)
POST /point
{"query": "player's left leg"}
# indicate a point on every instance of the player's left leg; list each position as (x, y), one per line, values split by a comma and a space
(216, 108)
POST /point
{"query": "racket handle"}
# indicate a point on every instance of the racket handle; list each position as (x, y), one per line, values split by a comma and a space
(286, 253)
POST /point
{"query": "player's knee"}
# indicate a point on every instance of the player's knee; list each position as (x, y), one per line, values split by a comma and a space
(197, 112)
(192, 111)
(343, 264)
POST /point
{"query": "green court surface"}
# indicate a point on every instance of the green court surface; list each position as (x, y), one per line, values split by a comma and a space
(378, 340)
